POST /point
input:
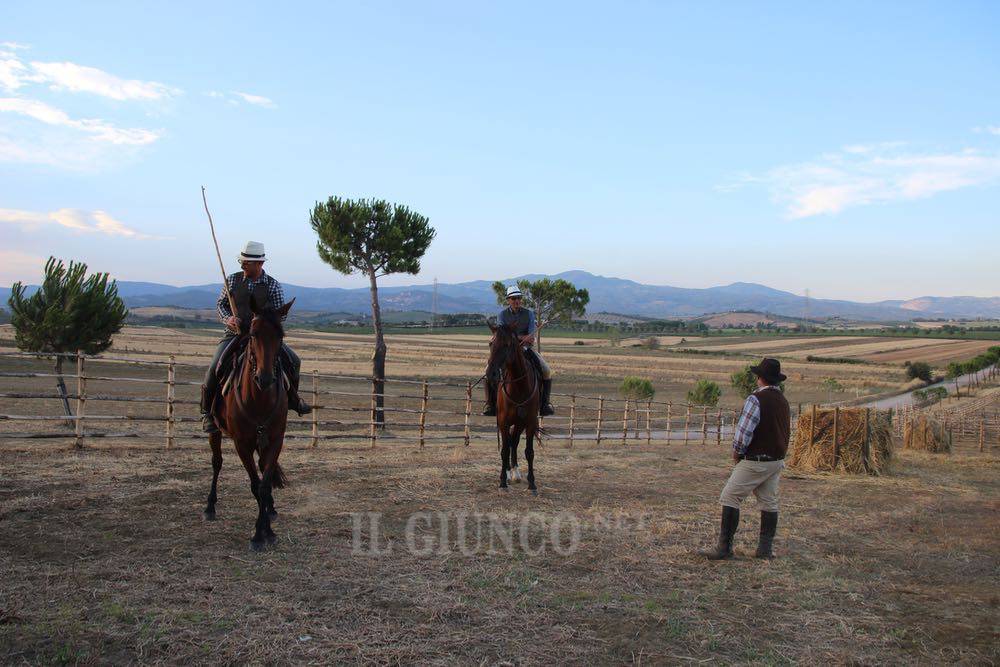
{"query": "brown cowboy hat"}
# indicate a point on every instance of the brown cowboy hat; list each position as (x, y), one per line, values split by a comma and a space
(769, 370)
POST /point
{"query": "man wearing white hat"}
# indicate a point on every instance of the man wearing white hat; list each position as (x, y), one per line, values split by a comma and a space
(522, 320)
(265, 291)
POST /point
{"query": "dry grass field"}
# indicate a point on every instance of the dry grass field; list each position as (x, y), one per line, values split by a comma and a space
(106, 557)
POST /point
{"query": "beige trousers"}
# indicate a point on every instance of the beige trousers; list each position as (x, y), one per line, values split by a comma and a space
(757, 477)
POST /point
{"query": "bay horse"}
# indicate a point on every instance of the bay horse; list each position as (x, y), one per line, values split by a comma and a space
(518, 398)
(254, 413)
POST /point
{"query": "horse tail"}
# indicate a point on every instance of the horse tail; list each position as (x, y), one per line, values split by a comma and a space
(278, 479)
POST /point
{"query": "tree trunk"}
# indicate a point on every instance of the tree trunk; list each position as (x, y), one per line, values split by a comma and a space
(61, 385)
(378, 358)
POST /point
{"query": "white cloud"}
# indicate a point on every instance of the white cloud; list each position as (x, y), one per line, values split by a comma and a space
(98, 129)
(90, 222)
(871, 174)
(82, 79)
(988, 129)
(256, 100)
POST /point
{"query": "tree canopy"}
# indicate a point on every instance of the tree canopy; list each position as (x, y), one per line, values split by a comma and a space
(705, 392)
(636, 388)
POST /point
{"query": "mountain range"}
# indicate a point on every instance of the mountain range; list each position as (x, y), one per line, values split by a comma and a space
(615, 295)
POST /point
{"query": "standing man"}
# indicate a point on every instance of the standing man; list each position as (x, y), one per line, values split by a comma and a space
(522, 321)
(759, 447)
(266, 292)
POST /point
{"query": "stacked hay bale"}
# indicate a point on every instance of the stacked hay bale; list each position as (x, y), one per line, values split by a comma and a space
(863, 442)
(926, 434)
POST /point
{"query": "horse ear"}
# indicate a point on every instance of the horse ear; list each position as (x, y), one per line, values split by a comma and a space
(283, 311)
(493, 327)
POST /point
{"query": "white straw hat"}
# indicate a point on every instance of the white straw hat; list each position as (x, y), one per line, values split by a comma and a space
(513, 290)
(253, 251)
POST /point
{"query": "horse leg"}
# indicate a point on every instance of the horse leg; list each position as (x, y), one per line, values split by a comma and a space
(515, 470)
(529, 454)
(269, 467)
(245, 450)
(215, 441)
(504, 458)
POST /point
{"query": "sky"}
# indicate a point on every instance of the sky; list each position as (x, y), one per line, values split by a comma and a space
(849, 148)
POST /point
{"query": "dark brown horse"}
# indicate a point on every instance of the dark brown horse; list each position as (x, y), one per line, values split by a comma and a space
(253, 413)
(517, 403)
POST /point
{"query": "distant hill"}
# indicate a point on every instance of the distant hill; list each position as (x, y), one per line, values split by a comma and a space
(613, 295)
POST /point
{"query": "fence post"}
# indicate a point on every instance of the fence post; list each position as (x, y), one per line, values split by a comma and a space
(625, 423)
(600, 417)
(572, 418)
(836, 442)
(468, 410)
(669, 420)
(687, 423)
(649, 428)
(372, 425)
(423, 414)
(982, 432)
(704, 424)
(315, 407)
(866, 452)
(81, 398)
(171, 390)
(812, 427)
(718, 428)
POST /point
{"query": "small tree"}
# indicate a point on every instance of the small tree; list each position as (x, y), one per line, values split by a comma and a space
(637, 389)
(70, 312)
(953, 372)
(552, 300)
(744, 381)
(374, 238)
(832, 387)
(919, 370)
(705, 392)
(651, 343)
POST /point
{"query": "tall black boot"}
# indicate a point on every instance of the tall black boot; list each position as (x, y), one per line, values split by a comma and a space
(730, 520)
(490, 406)
(544, 407)
(208, 424)
(768, 527)
(295, 401)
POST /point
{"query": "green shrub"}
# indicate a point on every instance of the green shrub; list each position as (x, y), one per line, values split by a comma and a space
(636, 388)
(705, 392)
(919, 370)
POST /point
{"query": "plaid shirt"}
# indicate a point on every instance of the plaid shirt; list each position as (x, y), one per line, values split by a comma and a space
(749, 419)
(274, 293)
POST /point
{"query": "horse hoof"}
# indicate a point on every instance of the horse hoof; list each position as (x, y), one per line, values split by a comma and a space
(257, 545)
(534, 492)
(517, 474)
(271, 539)
(209, 515)
(504, 487)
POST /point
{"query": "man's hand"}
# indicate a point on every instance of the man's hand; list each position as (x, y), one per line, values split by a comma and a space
(233, 322)
(528, 340)
(736, 456)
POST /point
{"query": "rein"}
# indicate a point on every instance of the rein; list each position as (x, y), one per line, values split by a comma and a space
(505, 380)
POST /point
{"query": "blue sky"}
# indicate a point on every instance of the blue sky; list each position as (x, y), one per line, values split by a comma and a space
(853, 150)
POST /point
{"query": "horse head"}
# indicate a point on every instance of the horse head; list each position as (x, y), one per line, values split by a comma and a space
(266, 334)
(504, 348)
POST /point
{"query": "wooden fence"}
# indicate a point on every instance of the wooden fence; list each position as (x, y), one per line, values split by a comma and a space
(420, 410)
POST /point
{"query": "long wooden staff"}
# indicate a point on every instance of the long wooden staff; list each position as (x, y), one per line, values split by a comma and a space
(225, 279)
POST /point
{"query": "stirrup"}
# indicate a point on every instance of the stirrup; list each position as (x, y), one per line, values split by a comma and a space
(490, 411)
(208, 424)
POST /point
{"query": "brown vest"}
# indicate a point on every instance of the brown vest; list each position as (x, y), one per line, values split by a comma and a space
(242, 294)
(771, 435)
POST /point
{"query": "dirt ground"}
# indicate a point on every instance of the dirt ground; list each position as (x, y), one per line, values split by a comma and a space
(106, 558)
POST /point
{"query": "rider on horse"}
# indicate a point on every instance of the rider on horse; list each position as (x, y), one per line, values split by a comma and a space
(266, 292)
(522, 321)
